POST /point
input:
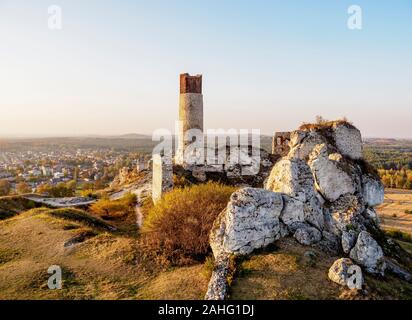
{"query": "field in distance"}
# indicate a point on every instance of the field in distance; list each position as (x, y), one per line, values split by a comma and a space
(396, 211)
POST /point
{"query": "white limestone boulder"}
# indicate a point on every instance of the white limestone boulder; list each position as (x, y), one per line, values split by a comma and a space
(345, 213)
(250, 221)
(293, 178)
(332, 178)
(296, 137)
(373, 191)
(348, 240)
(218, 285)
(293, 212)
(348, 140)
(371, 214)
(340, 273)
(303, 143)
(308, 235)
(313, 213)
(368, 254)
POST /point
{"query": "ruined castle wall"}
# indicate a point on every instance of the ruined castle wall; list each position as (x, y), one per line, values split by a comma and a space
(280, 143)
(162, 180)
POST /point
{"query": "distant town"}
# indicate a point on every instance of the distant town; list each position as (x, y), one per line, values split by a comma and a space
(60, 170)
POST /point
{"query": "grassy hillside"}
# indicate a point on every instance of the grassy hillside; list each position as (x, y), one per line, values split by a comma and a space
(109, 260)
(289, 272)
(96, 263)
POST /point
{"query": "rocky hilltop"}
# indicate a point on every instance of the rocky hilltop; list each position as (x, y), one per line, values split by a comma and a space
(323, 194)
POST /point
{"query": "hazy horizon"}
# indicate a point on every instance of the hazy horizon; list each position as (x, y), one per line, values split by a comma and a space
(108, 136)
(114, 66)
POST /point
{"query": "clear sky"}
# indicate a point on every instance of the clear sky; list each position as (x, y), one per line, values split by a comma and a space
(114, 66)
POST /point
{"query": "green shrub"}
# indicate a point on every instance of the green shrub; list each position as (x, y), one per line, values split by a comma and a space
(61, 190)
(179, 225)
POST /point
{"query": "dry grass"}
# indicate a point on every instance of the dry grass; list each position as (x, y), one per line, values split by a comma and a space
(106, 266)
(178, 227)
(389, 288)
(187, 283)
(323, 124)
(285, 275)
(114, 265)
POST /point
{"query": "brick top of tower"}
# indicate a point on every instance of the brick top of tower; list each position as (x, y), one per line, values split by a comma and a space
(190, 84)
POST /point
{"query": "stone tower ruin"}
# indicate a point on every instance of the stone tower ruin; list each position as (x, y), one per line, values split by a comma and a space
(190, 111)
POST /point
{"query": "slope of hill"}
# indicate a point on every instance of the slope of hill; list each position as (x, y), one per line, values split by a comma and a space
(295, 272)
(98, 263)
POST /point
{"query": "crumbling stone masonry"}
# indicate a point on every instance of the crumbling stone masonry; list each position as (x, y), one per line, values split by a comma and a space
(162, 180)
(280, 143)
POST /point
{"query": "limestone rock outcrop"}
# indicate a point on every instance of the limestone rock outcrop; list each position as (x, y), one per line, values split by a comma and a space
(368, 253)
(293, 178)
(348, 140)
(370, 213)
(250, 221)
(302, 144)
(318, 186)
(373, 191)
(322, 193)
(218, 286)
(348, 240)
(333, 179)
(308, 235)
(345, 213)
(292, 214)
